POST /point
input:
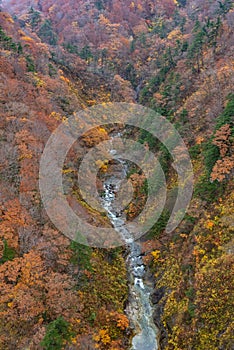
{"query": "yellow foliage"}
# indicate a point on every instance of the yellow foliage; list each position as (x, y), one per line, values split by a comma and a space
(10, 19)
(174, 34)
(66, 80)
(27, 38)
(103, 337)
(52, 8)
(102, 130)
(103, 20)
(73, 340)
(139, 7)
(199, 140)
(103, 165)
(209, 225)
(67, 171)
(38, 81)
(156, 255)
(55, 115)
(25, 156)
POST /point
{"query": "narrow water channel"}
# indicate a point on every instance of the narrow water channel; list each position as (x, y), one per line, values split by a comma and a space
(139, 309)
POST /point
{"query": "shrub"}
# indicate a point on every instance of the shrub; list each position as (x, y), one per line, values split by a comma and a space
(57, 332)
(211, 151)
(81, 255)
(159, 226)
(208, 191)
(8, 253)
(30, 64)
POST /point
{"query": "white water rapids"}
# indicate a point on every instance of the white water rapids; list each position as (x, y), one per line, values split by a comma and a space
(139, 309)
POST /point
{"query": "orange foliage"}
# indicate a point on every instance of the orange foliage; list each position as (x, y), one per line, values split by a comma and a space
(225, 165)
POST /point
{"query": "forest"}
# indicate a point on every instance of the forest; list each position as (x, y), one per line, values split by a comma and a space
(173, 57)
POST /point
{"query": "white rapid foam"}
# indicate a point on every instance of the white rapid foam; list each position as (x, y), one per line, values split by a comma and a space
(139, 309)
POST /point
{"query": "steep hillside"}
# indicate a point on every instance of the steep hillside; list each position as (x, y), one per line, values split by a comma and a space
(175, 57)
(47, 280)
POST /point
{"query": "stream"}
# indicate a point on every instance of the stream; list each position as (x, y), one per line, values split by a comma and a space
(139, 309)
